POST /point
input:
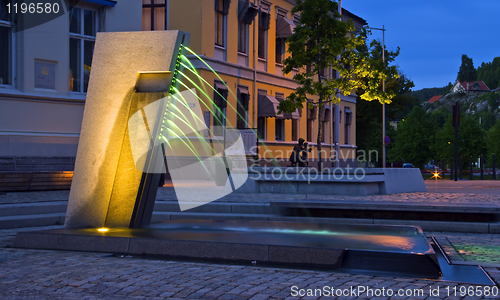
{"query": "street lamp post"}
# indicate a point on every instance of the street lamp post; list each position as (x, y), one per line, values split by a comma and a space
(383, 89)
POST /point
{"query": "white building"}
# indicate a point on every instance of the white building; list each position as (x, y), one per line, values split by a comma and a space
(44, 73)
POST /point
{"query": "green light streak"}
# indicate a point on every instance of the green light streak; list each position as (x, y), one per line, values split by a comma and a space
(201, 59)
(195, 154)
(192, 68)
(186, 104)
(184, 85)
(203, 79)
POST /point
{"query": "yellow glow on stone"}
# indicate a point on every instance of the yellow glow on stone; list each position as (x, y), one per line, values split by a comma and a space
(103, 229)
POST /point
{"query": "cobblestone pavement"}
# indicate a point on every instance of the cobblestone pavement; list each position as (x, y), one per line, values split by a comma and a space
(44, 274)
(444, 192)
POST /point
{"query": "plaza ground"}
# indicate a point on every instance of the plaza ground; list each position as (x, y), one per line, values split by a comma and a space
(46, 274)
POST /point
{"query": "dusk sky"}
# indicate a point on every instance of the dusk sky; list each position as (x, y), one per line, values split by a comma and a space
(433, 34)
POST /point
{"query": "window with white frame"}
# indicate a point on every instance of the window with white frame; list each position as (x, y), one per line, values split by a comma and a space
(311, 116)
(264, 21)
(242, 107)
(280, 40)
(219, 107)
(279, 123)
(221, 11)
(280, 50)
(82, 32)
(261, 128)
(242, 36)
(154, 15)
(262, 122)
(333, 126)
(246, 14)
(347, 125)
(295, 130)
(279, 129)
(5, 44)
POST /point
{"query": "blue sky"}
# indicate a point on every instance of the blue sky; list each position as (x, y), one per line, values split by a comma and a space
(433, 34)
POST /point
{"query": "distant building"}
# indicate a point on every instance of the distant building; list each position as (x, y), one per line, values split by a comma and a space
(44, 72)
(435, 98)
(473, 86)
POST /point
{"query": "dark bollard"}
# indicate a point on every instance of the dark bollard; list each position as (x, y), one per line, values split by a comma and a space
(494, 169)
(471, 171)
(460, 170)
(451, 169)
(481, 165)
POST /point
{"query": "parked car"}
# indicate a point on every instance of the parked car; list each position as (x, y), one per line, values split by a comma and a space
(408, 165)
(431, 167)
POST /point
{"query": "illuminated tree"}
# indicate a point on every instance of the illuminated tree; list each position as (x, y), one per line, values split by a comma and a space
(318, 41)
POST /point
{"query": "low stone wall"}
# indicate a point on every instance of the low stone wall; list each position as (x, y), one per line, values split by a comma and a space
(36, 163)
(332, 181)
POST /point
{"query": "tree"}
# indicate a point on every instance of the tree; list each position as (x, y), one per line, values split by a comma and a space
(414, 138)
(318, 41)
(490, 73)
(471, 139)
(467, 72)
(494, 139)
(369, 113)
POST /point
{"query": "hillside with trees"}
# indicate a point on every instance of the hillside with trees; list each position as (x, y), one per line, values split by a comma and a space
(426, 133)
(490, 73)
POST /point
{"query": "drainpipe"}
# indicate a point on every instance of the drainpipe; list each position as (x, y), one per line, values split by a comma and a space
(254, 73)
(255, 98)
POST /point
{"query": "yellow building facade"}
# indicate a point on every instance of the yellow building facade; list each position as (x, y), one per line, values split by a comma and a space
(244, 43)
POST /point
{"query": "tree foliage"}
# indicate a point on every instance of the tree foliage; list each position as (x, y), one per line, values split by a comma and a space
(322, 41)
(319, 39)
(369, 113)
(414, 138)
(425, 94)
(471, 139)
(494, 140)
(467, 72)
(490, 73)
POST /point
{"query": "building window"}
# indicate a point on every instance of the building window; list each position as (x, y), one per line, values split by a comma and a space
(82, 32)
(262, 43)
(221, 10)
(264, 19)
(261, 128)
(279, 129)
(280, 50)
(283, 30)
(333, 126)
(309, 130)
(347, 126)
(242, 36)
(242, 108)
(5, 44)
(154, 15)
(311, 116)
(219, 108)
(324, 128)
(295, 130)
